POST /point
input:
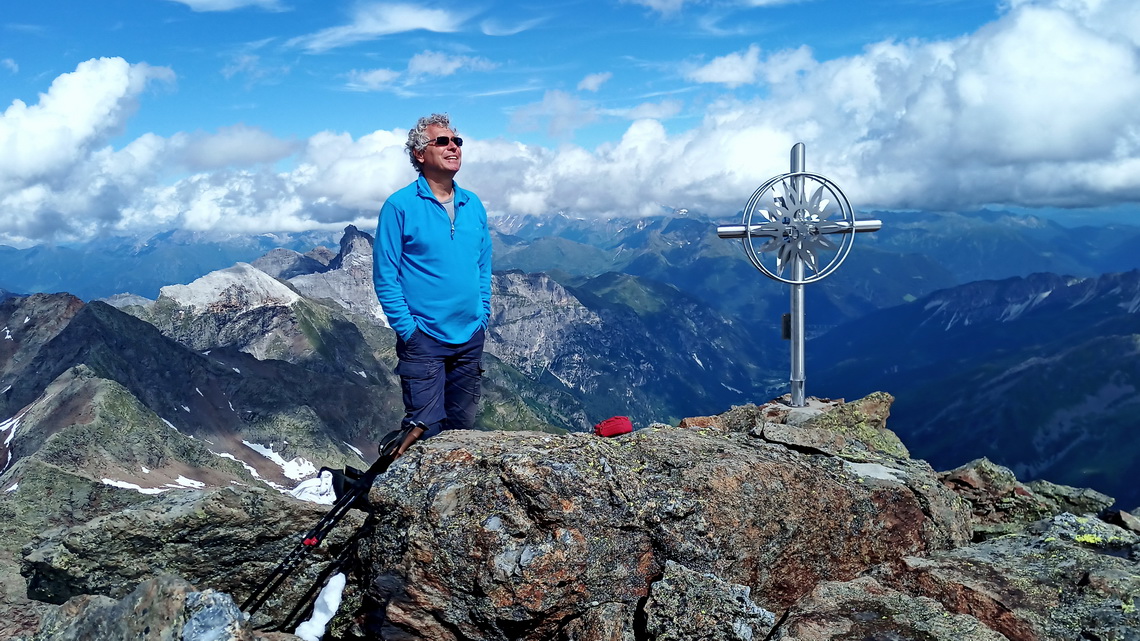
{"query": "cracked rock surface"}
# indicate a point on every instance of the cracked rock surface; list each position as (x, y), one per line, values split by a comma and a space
(512, 535)
(761, 523)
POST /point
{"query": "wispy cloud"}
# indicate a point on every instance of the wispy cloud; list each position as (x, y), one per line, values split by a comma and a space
(498, 28)
(710, 23)
(10, 65)
(230, 5)
(436, 63)
(668, 92)
(594, 81)
(769, 3)
(663, 6)
(506, 92)
(243, 63)
(372, 79)
(25, 28)
(254, 70)
(663, 110)
(374, 20)
(249, 63)
(562, 113)
(422, 66)
(717, 10)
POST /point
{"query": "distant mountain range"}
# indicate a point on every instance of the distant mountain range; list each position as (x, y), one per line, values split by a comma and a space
(117, 265)
(654, 318)
(1041, 374)
(303, 366)
(913, 255)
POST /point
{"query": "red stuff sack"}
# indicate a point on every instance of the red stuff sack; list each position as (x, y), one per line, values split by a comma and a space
(614, 426)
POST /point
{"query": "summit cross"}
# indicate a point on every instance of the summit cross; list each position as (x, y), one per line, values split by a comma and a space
(797, 229)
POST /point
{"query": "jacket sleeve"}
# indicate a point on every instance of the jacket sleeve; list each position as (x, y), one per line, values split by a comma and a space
(386, 258)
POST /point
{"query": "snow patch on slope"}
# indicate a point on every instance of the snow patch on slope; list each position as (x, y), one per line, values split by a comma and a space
(296, 469)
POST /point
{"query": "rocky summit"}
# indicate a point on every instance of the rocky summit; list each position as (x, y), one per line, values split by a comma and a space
(762, 523)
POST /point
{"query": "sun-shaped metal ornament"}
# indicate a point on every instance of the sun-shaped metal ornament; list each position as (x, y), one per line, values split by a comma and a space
(791, 217)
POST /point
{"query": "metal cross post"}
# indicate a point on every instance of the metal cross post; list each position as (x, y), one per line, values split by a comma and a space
(795, 227)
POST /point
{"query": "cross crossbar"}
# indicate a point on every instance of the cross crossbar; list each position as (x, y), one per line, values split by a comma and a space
(772, 230)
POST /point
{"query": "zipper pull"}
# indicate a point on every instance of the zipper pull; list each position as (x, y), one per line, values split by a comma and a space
(453, 230)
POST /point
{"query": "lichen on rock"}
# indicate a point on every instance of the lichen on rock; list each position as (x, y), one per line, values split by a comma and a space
(684, 605)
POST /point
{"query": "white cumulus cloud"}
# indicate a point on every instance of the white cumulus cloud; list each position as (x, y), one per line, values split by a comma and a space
(56, 171)
(731, 70)
(80, 111)
(1037, 108)
(236, 146)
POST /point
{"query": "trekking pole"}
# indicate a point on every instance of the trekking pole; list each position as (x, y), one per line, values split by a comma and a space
(394, 445)
(306, 604)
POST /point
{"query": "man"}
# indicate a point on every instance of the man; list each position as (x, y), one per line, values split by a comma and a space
(432, 272)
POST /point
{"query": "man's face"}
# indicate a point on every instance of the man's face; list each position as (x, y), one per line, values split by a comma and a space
(440, 160)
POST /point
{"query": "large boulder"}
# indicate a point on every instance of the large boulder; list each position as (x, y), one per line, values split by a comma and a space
(855, 430)
(227, 539)
(514, 535)
(1000, 504)
(1066, 577)
(864, 609)
(165, 608)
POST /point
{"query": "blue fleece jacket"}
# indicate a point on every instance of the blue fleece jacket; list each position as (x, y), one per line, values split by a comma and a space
(429, 273)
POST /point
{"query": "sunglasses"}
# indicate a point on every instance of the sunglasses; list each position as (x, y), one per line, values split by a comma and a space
(443, 140)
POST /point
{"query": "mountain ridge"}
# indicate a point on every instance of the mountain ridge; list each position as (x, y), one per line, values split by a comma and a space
(1042, 369)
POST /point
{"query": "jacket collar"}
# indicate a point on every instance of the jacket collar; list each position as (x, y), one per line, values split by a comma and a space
(423, 189)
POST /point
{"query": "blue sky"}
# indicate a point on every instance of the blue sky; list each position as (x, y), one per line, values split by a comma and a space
(275, 115)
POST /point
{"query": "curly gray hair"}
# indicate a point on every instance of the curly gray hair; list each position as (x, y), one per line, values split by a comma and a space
(418, 138)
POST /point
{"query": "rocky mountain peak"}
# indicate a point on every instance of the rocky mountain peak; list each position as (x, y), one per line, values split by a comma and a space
(533, 317)
(355, 249)
(242, 286)
(286, 263)
(348, 278)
